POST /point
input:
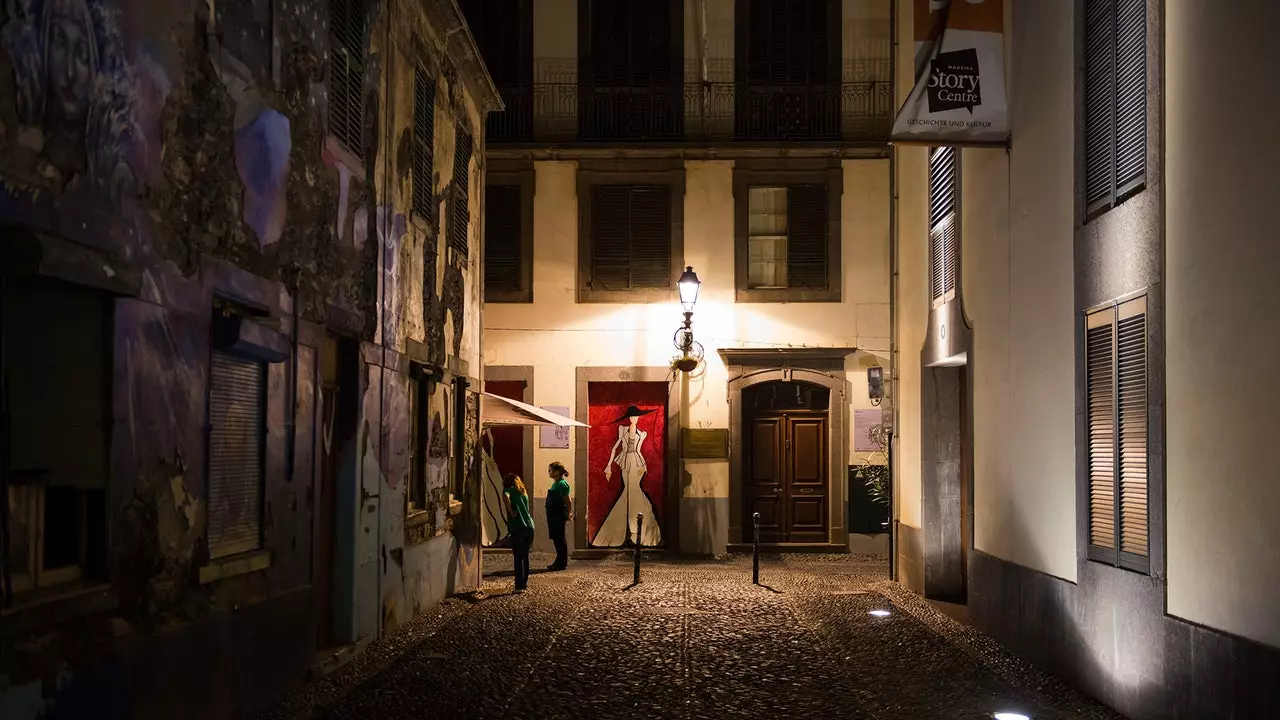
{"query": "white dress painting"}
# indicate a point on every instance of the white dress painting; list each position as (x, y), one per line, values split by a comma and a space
(620, 524)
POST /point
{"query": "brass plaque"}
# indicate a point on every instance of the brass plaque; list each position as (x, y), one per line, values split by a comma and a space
(705, 443)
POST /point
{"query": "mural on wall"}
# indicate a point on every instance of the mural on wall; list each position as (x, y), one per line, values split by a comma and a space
(626, 459)
(503, 453)
(87, 101)
(494, 517)
(262, 158)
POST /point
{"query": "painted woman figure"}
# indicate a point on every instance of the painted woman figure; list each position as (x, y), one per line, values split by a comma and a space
(619, 525)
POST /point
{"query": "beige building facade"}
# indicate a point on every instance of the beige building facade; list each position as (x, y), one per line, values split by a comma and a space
(1091, 468)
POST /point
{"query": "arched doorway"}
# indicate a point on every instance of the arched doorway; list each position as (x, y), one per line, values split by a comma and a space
(786, 474)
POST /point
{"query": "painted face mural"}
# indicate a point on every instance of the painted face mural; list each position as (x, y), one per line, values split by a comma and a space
(626, 456)
(71, 62)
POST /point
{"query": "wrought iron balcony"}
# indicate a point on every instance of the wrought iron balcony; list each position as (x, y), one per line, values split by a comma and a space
(699, 113)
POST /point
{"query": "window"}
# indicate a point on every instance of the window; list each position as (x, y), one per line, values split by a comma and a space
(1116, 388)
(56, 394)
(1115, 101)
(631, 237)
(787, 230)
(788, 71)
(508, 238)
(459, 417)
(424, 120)
(943, 248)
(631, 69)
(237, 432)
(347, 50)
(505, 39)
(460, 220)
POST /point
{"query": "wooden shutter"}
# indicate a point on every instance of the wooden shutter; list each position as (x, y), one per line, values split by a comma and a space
(943, 249)
(787, 42)
(1116, 387)
(630, 237)
(424, 111)
(346, 73)
(1101, 419)
(1115, 100)
(502, 247)
(1131, 397)
(460, 221)
(807, 237)
(237, 401)
(1131, 94)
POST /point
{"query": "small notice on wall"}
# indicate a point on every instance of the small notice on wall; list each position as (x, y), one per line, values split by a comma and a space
(863, 422)
(554, 437)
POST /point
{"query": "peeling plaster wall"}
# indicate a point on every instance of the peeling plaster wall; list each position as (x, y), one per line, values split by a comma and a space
(189, 159)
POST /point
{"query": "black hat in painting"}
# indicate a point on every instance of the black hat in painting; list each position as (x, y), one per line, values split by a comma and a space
(632, 411)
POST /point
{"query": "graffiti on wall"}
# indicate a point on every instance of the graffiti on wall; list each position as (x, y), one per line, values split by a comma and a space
(262, 158)
(86, 101)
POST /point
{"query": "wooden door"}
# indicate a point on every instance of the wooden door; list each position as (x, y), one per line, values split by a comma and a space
(787, 477)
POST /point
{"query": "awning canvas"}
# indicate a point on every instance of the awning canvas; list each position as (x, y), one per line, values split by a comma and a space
(496, 410)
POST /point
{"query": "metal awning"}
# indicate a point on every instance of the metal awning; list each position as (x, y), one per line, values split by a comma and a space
(497, 410)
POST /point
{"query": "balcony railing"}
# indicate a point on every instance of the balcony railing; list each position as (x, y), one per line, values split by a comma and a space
(700, 113)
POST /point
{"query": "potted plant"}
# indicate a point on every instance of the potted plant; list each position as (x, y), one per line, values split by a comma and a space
(875, 479)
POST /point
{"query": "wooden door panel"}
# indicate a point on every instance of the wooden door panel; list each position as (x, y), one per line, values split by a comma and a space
(763, 489)
(808, 451)
(807, 478)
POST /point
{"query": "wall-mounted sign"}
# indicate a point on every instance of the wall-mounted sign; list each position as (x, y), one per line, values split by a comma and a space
(554, 437)
(704, 443)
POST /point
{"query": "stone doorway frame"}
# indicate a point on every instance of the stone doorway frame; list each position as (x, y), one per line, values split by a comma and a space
(824, 367)
(584, 376)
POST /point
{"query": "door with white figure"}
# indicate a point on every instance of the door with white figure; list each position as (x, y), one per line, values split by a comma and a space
(626, 458)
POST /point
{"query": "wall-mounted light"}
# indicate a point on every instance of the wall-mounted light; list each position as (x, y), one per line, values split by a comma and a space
(690, 351)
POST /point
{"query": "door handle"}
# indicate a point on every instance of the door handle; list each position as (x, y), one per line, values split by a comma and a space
(777, 491)
(808, 490)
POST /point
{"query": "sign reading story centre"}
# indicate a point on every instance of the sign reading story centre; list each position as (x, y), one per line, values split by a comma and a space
(958, 97)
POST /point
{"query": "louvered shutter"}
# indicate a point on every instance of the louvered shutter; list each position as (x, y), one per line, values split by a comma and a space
(807, 236)
(1115, 99)
(346, 73)
(1131, 396)
(630, 237)
(460, 221)
(237, 401)
(502, 257)
(1101, 419)
(424, 111)
(1131, 93)
(943, 264)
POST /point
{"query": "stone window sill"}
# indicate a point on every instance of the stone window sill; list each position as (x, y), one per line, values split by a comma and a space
(234, 565)
(416, 517)
(50, 606)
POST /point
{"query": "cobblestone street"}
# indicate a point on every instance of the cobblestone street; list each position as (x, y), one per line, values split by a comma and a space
(692, 640)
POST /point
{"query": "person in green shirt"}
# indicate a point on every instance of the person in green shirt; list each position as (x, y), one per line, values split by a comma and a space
(559, 512)
(519, 525)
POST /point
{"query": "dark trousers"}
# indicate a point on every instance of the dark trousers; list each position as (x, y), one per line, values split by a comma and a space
(555, 527)
(521, 541)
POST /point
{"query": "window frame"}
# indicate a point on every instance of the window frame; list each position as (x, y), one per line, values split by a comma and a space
(658, 172)
(783, 173)
(522, 176)
(351, 156)
(1111, 314)
(426, 215)
(263, 430)
(1117, 193)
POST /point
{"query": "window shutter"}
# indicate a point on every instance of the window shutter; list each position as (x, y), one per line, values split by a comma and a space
(1131, 93)
(630, 237)
(423, 144)
(943, 264)
(346, 73)
(502, 256)
(807, 236)
(1099, 99)
(1131, 394)
(237, 400)
(1100, 388)
(460, 221)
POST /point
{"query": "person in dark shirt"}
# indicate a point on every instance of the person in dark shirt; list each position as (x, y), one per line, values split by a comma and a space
(520, 525)
(559, 513)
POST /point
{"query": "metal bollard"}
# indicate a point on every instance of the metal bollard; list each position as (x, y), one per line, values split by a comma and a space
(755, 551)
(635, 578)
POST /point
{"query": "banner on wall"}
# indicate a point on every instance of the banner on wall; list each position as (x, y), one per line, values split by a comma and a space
(958, 97)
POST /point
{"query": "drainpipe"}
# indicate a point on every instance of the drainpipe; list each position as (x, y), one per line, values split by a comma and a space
(4, 462)
(385, 143)
(893, 302)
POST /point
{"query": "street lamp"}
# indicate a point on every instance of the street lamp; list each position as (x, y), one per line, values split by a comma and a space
(691, 352)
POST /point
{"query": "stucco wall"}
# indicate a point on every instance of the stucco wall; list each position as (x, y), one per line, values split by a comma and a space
(555, 334)
(1221, 265)
(1019, 293)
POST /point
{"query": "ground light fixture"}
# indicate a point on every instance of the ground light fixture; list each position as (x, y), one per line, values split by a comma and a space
(1010, 716)
(884, 613)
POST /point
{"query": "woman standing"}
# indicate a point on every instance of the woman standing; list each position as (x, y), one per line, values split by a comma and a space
(519, 526)
(619, 525)
(559, 513)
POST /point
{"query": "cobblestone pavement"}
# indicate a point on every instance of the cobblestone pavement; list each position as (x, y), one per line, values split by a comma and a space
(693, 640)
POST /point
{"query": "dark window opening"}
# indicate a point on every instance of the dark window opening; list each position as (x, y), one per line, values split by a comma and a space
(424, 111)
(503, 30)
(460, 219)
(787, 237)
(788, 71)
(631, 69)
(504, 260)
(630, 237)
(347, 50)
